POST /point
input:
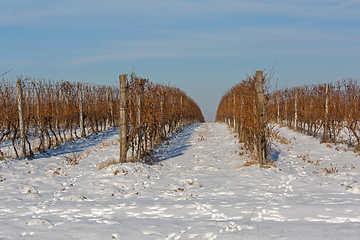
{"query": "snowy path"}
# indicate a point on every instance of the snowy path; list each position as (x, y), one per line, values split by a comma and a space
(196, 191)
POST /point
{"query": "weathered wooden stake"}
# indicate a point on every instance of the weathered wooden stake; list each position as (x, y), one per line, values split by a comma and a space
(7, 109)
(326, 125)
(296, 113)
(259, 81)
(241, 130)
(278, 107)
(173, 125)
(38, 110)
(181, 111)
(81, 112)
(112, 124)
(286, 110)
(162, 127)
(122, 124)
(234, 112)
(139, 96)
(57, 112)
(21, 118)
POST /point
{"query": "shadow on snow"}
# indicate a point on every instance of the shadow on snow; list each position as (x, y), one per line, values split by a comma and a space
(79, 145)
(176, 145)
(274, 155)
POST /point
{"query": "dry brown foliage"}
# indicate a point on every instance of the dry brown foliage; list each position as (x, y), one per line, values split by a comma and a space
(279, 138)
(319, 164)
(239, 108)
(107, 163)
(74, 158)
(331, 169)
(323, 110)
(51, 111)
(120, 172)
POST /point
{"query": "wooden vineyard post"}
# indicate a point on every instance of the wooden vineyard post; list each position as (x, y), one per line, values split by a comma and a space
(21, 118)
(326, 125)
(241, 130)
(259, 81)
(39, 120)
(173, 113)
(162, 127)
(123, 128)
(286, 109)
(7, 108)
(278, 107)
(111, 108)
(228, 116)
(296, 113)
(256, 140)
(181, 111)
(139, 96)
(57, 112)
(81, 112)
(234, 112)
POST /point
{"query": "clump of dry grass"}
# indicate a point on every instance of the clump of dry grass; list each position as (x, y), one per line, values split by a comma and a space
(122, 172)
(179, 190)
(201, 137)
(351, 167)
(330, 170)
(280, 139)
(269, 164)
(107, 163)
(252, 162)
(202, 134)
(319, 164)
(251, 159)
(306, 158)
(249, 162)
(73, 158)
(104, 144)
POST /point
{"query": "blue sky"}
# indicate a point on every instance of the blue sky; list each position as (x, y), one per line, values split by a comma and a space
(201, 46)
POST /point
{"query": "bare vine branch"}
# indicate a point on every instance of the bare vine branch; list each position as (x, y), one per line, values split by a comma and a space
(5, 73)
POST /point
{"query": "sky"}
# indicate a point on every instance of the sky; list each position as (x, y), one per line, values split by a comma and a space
(204, 47)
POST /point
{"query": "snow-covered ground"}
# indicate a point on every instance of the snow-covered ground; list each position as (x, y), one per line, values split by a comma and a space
(197, 190)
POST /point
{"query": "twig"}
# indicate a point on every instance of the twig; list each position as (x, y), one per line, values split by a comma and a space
(243, 223)
(5, 73)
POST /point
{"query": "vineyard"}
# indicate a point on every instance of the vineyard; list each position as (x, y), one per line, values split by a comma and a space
(242, 109)
(326, 111)
(329, 111)
(201, 183)
(58, 111)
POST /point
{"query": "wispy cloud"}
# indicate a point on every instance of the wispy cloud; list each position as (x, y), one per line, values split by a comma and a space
(230, 42)
(165, 49)
(123, 56)
(24, 12)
